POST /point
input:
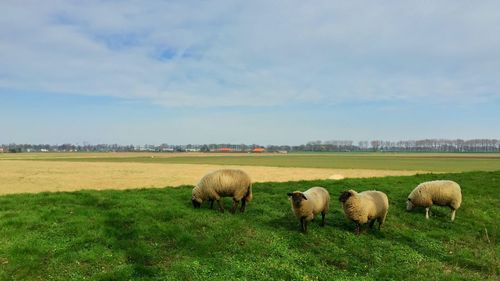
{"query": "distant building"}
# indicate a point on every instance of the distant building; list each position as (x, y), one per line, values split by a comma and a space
(224, 149)
(258, 150)
(1, 149)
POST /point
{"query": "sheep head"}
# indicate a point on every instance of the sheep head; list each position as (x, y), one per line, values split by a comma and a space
(195, 199)
(345, 195)
(297, 198)
(196, 202)
(409, 205)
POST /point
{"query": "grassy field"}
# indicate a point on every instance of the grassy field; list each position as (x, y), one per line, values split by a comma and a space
(155, 234)
(443, 162)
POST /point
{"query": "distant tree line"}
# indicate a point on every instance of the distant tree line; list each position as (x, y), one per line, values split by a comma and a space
(17, 148)
(426, 145)
(439, 145)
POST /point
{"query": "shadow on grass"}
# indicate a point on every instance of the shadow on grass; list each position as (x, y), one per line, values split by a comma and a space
(123, 234)
(350, 227)
(438, 252)
(289, 222)
(285, 222)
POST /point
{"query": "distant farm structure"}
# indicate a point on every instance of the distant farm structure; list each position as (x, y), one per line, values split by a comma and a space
(228, 148)
(224, 149)
(426, 145)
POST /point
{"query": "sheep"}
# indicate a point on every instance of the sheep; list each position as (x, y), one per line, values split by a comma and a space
(223, 183)
(366, 206)
(439, 192)
(307, 204)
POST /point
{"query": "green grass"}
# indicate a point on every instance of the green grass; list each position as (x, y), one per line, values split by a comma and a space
(391, 161)
(155, 234)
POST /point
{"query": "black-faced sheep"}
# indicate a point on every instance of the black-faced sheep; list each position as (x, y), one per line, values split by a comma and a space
(439, 192)
(223, 183)
(307, 204)
(366, 206)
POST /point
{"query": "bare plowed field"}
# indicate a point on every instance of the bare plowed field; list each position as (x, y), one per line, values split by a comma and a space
(20, 176)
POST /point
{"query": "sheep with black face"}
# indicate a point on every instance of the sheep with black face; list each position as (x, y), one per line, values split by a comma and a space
(307, 204)
(223, 183)
(366, 206)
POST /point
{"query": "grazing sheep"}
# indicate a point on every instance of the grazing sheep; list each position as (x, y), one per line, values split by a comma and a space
(223, 183)
(307, 204)
(366, 206)
(439, 192)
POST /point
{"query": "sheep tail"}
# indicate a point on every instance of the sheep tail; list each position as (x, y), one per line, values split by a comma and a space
(249, 196)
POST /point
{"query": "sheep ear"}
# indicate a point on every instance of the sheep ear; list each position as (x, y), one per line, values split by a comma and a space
(303, 196)
(289, 194)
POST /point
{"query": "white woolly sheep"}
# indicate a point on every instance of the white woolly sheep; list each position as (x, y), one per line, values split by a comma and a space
(366, 206)
(439, 192)
(223, 183)
(307, 204)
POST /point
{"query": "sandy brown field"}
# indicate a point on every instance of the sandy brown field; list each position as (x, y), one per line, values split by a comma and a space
(20, 176)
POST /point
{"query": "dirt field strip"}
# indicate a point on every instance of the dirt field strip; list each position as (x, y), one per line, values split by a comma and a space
(19, 176)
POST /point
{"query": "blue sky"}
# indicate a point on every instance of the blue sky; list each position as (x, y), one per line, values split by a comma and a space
(267, 72)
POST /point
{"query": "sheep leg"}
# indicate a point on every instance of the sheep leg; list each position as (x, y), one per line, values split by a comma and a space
(358, 228)
(380, 222)
(243, 205)
(427, 212)
(211, 203)
(235, 206)
(372, 222)
(221, 208)
(453, 211)
(303, 225)
(322, 219)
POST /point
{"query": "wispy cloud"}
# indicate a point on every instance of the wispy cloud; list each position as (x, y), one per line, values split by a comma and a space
(253, 53)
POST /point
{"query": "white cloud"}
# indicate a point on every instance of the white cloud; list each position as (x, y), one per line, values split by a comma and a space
(253, 53)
